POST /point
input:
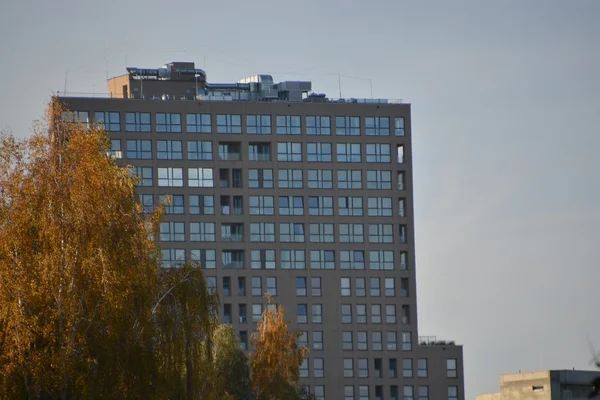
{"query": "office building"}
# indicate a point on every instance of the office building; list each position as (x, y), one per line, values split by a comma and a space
(282, 190)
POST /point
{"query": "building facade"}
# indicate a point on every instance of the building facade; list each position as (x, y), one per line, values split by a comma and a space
(544, 385)
(279, 190)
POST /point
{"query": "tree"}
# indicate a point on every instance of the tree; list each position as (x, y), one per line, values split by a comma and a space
(276, 358)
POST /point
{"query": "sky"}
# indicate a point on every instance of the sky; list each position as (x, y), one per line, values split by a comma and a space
(505, 106)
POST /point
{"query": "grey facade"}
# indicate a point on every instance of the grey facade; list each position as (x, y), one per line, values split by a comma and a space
(544, 385)
(309, 200)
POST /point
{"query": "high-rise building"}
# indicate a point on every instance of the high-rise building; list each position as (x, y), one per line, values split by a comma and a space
(281, 190)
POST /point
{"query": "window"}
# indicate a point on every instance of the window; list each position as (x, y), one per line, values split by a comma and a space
(301, 286)
(293, 259)
(202, 205)
(290, 178)
(137, 122)
(351, 233)
(262, 205)
(451, 368)
(363, 390)
(232, 232)
(361, 339)
(272, 285)
(301, 313)
(345, 287)
(350, 206)
(381, 260)
(390, 313)
(400, 154)
(147, 201)
(399, 126)
(346, 313)
(403, 260)
(317, 313)
(262, 259)
(315, 286)
(402, 233)
(262, 232)
(170, 177)
(198, 123)
(320, 205)
(377, 340)
(110, 121)
(375, 288)
(303, 339)
(422, 368)
(291, 205)
(321, 233)
(347, 340)
(211, 284)
(406, 341)
(404, 287)
(361, 313)
(349, 179)
(378, 388)
(320, 179)
(175, 206)
(348, 392)
(381, 180)
(348, 368)
(290, 232)
(289, 151)
(172, 258)
(402, 207)
(405, 313)
(243, 340)
(322, 259)
(318, 152)
(394, 392)
(392, 364)
(304, 368)
(229, 123)
(375, 313)
(377, 126)
(207, 258)
(259, 151)
(363, 367)
(391, 340)
(232, 259)
(318, 125)
(408, 392)
(379, 206)
(400, 180)
(319, 392)
(452, 392)
(256, 286)
(115, 149)
(202, 231)
(241, 286)
(381, 233)
(378, 153)
(256, 312)
(199, 150)
(168, 122)
(260, 178)
(227, 313)
(288, 125)
(77, 117)
(347, 126)
(169, 150)
(348, 152)
(360, 287)
(258, 124)
(200, 177)
(390, 287)
(139, 149)
(172, 231)
(423, 392)
(407, 368)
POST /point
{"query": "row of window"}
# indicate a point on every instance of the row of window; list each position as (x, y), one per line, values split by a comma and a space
(232, 123)
(289, 232)
(264, 178)
(408, 392)
(360, 368)
(139, 149)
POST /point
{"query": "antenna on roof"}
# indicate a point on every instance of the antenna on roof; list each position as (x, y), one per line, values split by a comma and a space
(66, 72)
(340, 84)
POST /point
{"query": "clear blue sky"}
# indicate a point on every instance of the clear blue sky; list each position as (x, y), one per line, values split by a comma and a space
(506, 104)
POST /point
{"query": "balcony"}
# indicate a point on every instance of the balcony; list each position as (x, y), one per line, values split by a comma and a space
(233, 265)
(229, 156)
(232, 237)
(260, 157)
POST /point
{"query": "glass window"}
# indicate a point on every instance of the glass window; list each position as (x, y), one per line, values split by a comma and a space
(406, 341)
(258, 124)
(348, 368)
(377, 126)
(374, 287)
(115, 149)
(378, 153)
(347, 340)
(169, 150)
(381, 180)
(381, 233)
(315, 286)
(207, 258)
(346, 313)
(381, 260)
(408, 392)
(200, 177)
(347, 126)
(393, 368)
(363, 367)
(399, 126)
(139, 149)
(147, 201)
(423, 392)
(375, 313)
(198, 123)
(262, 259)
(256, 312)
(172, 231)
(317, 339)
(403, 260)
(290, 178)
(322, 233)
(402, 207)
(199, 150)
(272, 285)
(260, 152)
(379, 206)
(451, 368)
(291, 232)
(390, 313)
(302, 340)
(260, 178)
(422, 368)
(202, 231)
(350, 206)
(348, 392)
(288, 125)
(168, 122)
(345, 287)
(256, 286)
(360, 287)
(349, 179)
(452, 392)
(262, 232)
(319, 392)
(262, 205)
(400, 180)
(137, 122)
(352, 259)
(320, 179)
(301, 313)
(110, 121)
(175, 204)
(170, 177)
(322, 259)
(318, 125)
(407, 368)
(77, 117)
(320, 205)
(390, 287)
(351, 233)
(291, 205)
(202, 205)
(229, 123)
(288, 151)
(293, 259)
(361, 313)
(142, 174)
(348, 152)
(391, 340)
(318, 152)
(377, 340)
(400, 153)
(361, 339)
(300, 286)
(172, 258)
(317, 313)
